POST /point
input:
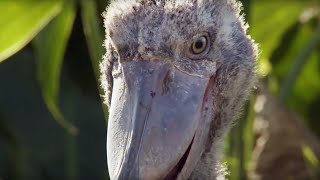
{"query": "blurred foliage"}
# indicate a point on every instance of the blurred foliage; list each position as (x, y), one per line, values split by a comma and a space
(312, 162)
(51, 52)
(51, 78)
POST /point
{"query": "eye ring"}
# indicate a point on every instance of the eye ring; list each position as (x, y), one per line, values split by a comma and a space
(199, 45)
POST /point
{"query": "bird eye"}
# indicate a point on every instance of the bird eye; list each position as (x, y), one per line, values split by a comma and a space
(199, 45)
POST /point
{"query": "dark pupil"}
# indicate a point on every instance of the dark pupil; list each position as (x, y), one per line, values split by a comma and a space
(199, 44)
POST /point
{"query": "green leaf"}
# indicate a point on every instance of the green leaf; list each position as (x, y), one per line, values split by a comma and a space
(304, 82)
(311, 161)
(93, 33)
(50, 46)
(270, 20)
(309, 156)
(299, 63)
(21, 20)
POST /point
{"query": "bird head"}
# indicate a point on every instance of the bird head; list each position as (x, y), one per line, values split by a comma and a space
(175, 75)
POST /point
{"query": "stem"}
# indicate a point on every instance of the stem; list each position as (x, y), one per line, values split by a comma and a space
(71, 157)
(71, 140)
(242, 141)
(15, 153)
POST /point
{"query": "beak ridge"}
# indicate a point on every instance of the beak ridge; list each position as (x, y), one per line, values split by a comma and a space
(154, 114)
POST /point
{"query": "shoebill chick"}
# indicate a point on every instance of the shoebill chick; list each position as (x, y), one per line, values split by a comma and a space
(175, 75)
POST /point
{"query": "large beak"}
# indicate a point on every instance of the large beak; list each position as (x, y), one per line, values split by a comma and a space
(155, 113)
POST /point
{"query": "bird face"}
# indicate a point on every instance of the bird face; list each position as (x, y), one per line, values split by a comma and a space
(171, 71)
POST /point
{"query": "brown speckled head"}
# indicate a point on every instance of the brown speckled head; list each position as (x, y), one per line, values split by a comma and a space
(175, 75)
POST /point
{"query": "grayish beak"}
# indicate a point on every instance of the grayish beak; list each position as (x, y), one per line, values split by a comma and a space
(155, 113)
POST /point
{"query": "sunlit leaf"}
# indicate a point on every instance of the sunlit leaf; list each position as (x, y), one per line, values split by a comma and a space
(50, 46)
(310, 157)
(270, 19)
(311, 161)
(21, 20)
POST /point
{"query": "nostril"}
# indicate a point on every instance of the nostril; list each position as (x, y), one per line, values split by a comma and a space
(152, 94)
(166, 82)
